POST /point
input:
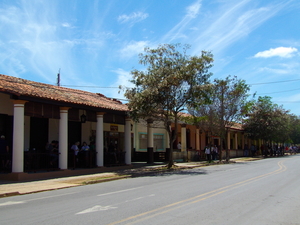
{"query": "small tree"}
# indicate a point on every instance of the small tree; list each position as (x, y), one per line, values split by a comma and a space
(267, 121)
(294, 129)
(167, 86)
(226, 106)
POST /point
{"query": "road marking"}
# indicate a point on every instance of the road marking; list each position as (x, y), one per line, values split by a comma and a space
(180, 204)
(110, 193)
(10, 203)
(52, 196)
(96, 209)
(103, 208)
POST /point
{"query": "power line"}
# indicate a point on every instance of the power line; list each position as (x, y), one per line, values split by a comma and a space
(287, 101)
(87, 86)
(273, 82)
(278, 92)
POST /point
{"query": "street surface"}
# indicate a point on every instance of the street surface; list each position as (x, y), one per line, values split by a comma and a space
(259, 192)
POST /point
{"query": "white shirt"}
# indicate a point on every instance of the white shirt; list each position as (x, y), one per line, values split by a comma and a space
(207, 150)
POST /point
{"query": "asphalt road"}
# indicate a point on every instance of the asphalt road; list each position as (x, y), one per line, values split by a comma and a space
(259, 192)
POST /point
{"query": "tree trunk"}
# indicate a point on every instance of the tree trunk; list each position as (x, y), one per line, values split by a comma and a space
(171, 162)
(226, 146)
(172, 138)
(220, 151)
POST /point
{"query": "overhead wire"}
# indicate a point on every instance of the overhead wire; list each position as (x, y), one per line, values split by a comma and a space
(272, 82)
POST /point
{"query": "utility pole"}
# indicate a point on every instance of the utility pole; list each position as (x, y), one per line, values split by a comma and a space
(58, 78)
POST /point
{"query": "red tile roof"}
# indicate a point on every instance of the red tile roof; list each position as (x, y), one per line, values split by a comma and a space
(27, 88)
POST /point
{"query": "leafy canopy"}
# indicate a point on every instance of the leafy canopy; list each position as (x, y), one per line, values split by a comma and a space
(169, 82)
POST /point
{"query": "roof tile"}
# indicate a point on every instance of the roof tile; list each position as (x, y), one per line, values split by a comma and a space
(22, 87)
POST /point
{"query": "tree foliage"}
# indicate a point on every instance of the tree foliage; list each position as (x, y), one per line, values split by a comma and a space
(294, 131)
(227, 103)
(168, 84)
(267, 121)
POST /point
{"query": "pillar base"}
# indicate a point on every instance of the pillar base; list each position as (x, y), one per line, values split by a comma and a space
(150, 155)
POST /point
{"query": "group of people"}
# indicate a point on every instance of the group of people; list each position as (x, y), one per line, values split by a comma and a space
(52, 149)
(211, 152)
(267, 150)
(81, 153)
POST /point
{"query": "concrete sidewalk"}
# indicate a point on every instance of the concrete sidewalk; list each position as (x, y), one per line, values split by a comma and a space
(8, 188)
(19, 188)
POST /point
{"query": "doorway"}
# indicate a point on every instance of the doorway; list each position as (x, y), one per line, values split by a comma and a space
(38, 133)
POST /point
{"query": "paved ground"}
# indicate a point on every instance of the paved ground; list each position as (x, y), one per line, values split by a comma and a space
(19, 188)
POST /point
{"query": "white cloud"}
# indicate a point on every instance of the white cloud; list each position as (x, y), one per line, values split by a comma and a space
(133, 17)
(133, 49)
(280, 52)
(123, 78)
(177, 31)
(277, 71)
(193, 10)
(65, 25)
(219, 28)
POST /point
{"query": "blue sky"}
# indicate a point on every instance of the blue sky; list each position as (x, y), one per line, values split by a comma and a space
(95, 44)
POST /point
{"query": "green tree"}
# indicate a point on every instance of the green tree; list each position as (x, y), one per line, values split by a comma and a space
(267, 121)
(294, 131)
(169, 83)
(226, 107)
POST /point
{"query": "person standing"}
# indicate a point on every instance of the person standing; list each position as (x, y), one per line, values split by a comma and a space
(85, 150)
(4, 151)
(179, 145)
(214, 152)
(253, 150)
(75, 148)
(207, 153)
(246, 150)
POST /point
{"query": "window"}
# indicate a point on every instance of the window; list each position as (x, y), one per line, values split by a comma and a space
(143, 142)
(158, 142)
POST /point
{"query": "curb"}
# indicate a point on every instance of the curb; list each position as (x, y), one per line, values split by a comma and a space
(106, 179)
(9, 194)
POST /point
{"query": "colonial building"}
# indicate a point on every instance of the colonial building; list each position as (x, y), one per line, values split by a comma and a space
(33, 114)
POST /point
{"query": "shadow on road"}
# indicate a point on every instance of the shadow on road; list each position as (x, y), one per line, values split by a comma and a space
(162, 172)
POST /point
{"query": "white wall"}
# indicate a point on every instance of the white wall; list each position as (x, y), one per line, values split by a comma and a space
(53, 133)
(158, 128)
(86, 132)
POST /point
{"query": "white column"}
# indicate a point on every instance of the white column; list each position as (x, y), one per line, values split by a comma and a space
(99, 139)
(183, 137)
(150, 134)
(18, 137)
(197, 138)
(63, 138)
(127, 141)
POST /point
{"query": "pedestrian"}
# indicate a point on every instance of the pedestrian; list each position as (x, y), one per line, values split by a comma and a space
(4, 153)
(246, 150)
(85, 152)
(179, 145)
(253, 150)
(207, 153)
(214, 152)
